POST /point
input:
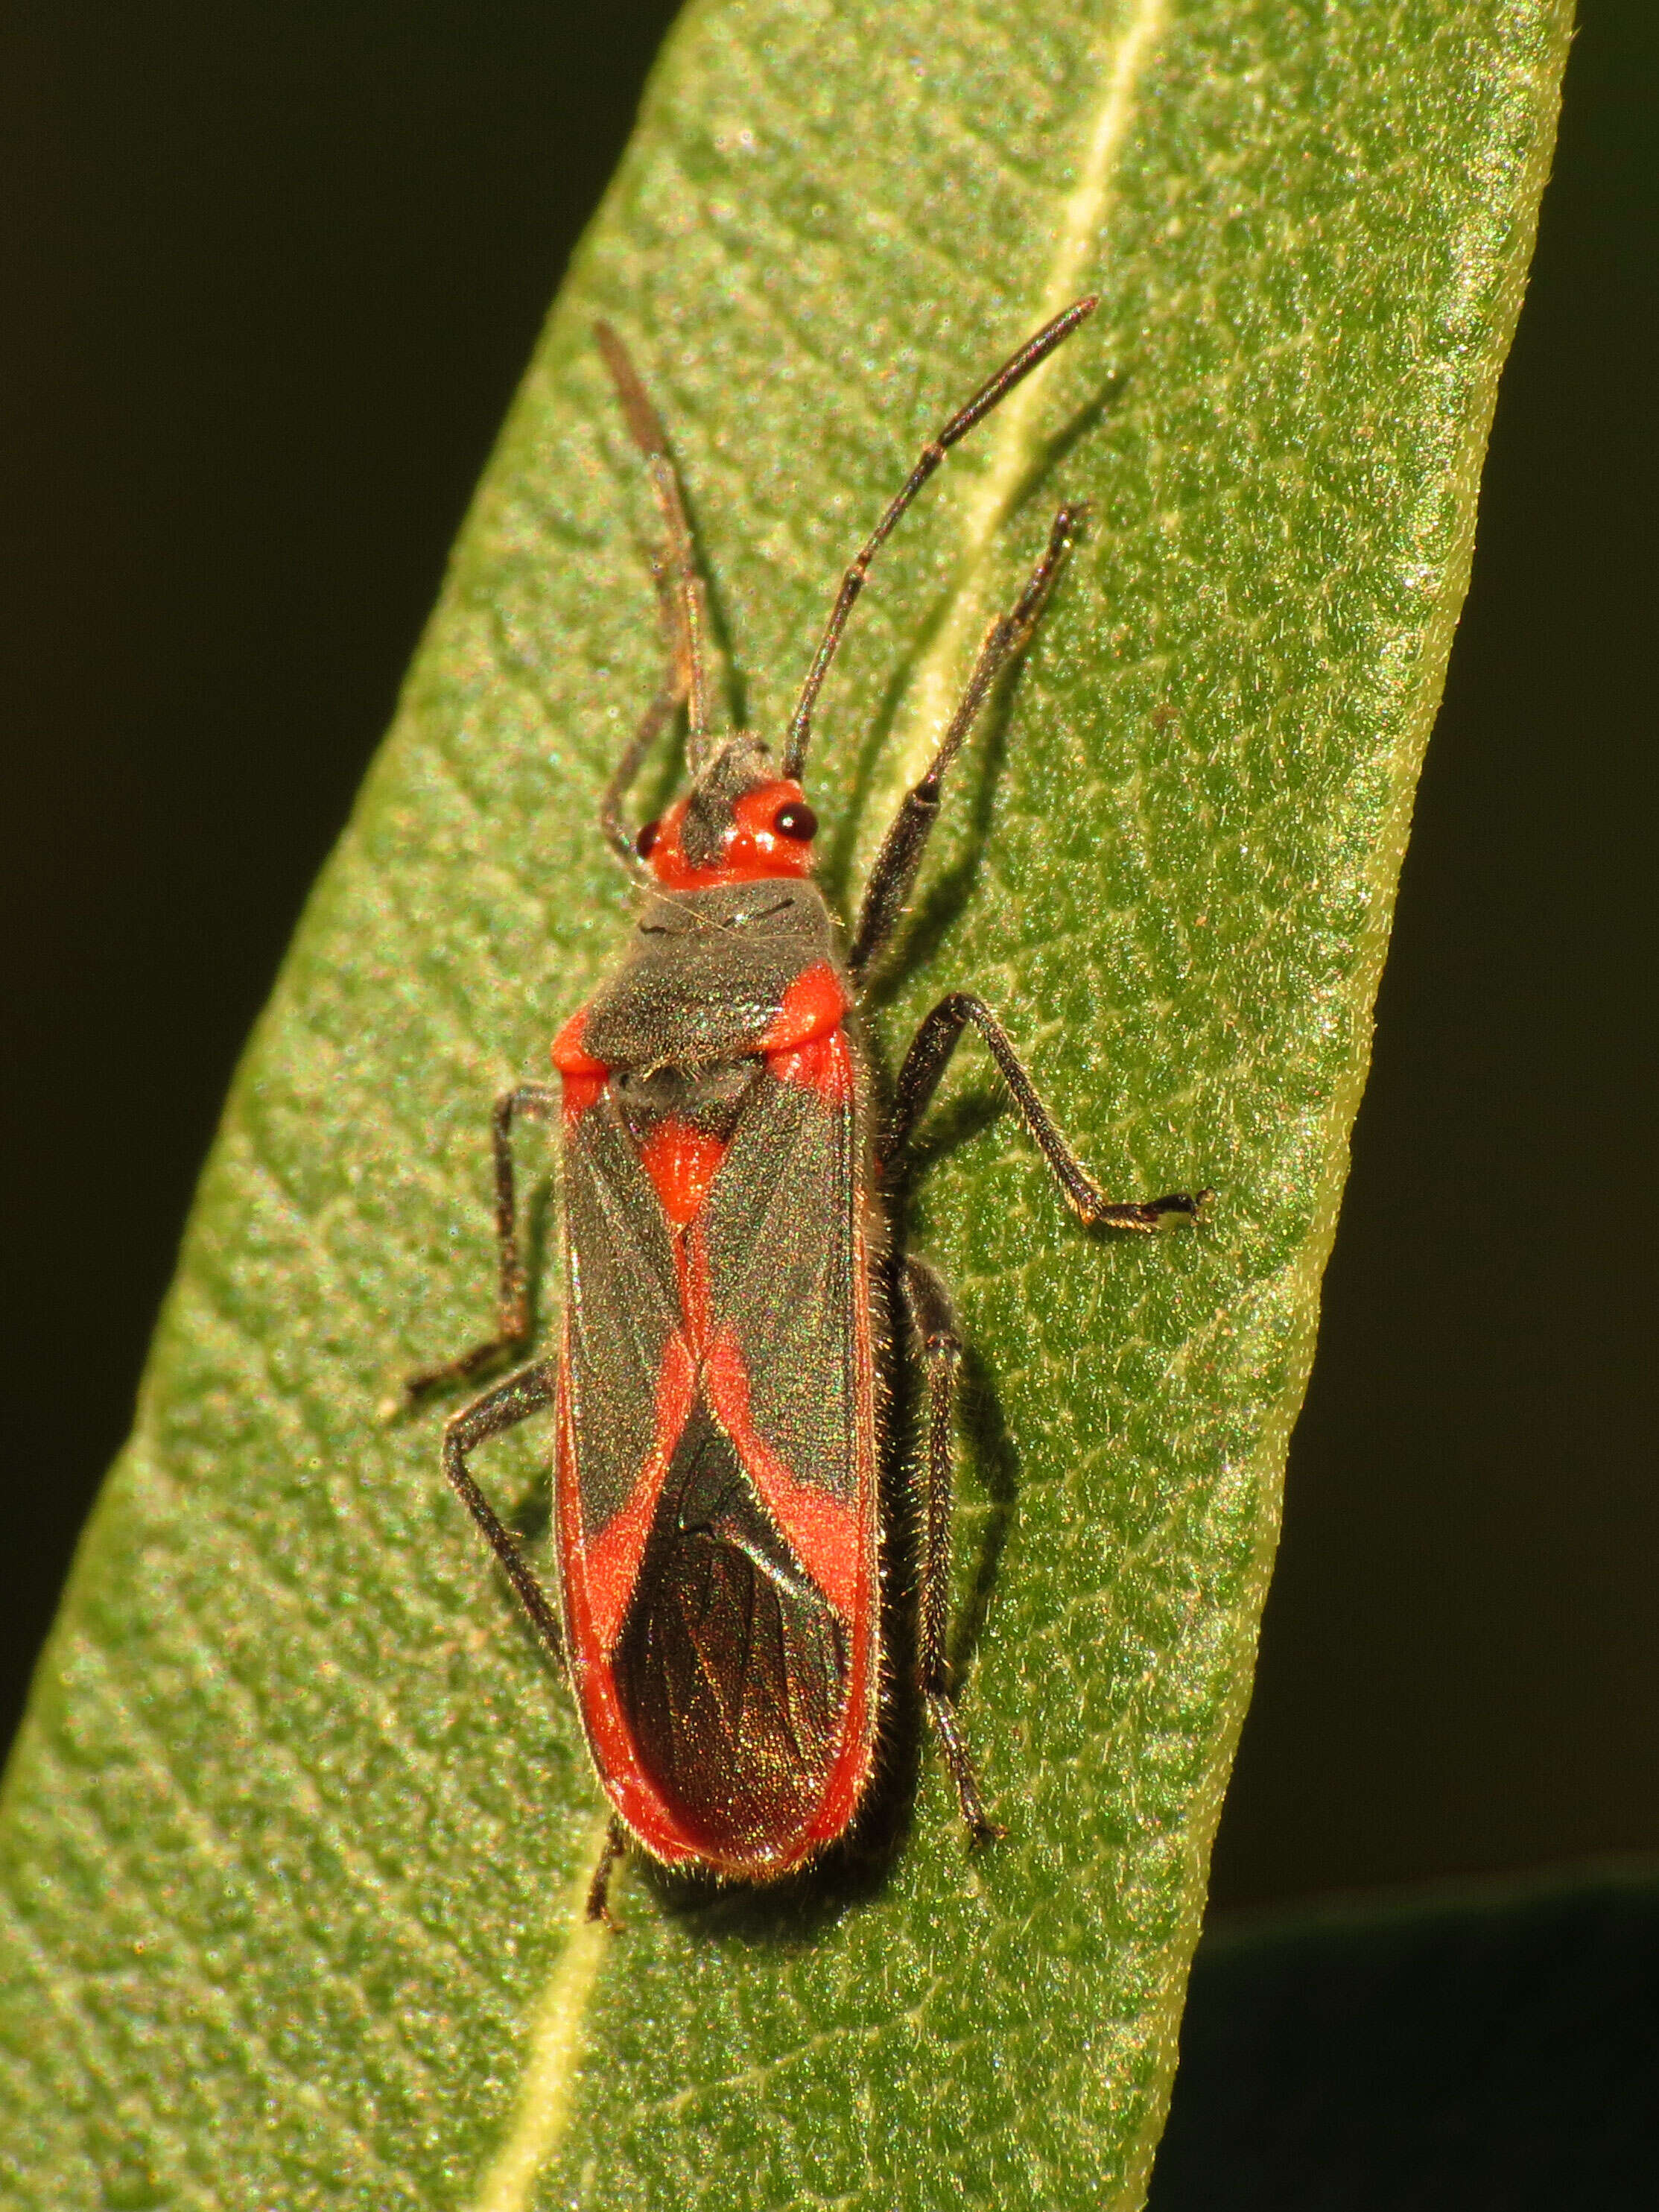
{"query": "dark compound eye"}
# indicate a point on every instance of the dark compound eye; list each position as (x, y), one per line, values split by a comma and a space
(646, 843)
(796, 820)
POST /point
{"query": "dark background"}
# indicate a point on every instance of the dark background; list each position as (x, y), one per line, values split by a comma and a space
(271, 275)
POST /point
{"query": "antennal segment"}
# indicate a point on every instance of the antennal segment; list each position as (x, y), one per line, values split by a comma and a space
(1035, 352)
(683, 588)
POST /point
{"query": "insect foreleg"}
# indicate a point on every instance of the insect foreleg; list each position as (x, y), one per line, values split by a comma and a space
(511, 1287)
(933, 1326)
(895, 866)
(510, 1402)
(925, 1063)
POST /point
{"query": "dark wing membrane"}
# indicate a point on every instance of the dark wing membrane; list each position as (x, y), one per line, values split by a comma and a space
(621, 1304)
(779, 1224)
(730, 1667)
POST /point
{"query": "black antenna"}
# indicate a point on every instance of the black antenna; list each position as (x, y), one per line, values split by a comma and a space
(684, 590)
(1031, 354)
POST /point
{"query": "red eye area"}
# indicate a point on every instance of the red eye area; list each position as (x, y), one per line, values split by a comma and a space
(771, 834)
(645, 843)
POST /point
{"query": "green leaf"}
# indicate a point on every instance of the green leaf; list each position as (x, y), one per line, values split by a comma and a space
(297, 1832)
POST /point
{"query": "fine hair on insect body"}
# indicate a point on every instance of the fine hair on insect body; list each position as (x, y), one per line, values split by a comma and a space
(729, 1263)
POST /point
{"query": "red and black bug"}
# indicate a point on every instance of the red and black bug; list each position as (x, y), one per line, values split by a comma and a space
(719, 1388)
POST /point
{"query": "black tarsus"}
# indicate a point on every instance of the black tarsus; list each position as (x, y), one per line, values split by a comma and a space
(1035, 350)
(896, 865)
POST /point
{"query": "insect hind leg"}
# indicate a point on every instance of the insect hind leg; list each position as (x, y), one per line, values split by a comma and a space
(933, 1326)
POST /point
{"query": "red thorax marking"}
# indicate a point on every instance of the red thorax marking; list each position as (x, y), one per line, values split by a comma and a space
(582, 1076)
(806, 1045)
(812, 1006)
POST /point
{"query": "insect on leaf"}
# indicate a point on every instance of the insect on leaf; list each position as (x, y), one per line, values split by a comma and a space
(298, 1830)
